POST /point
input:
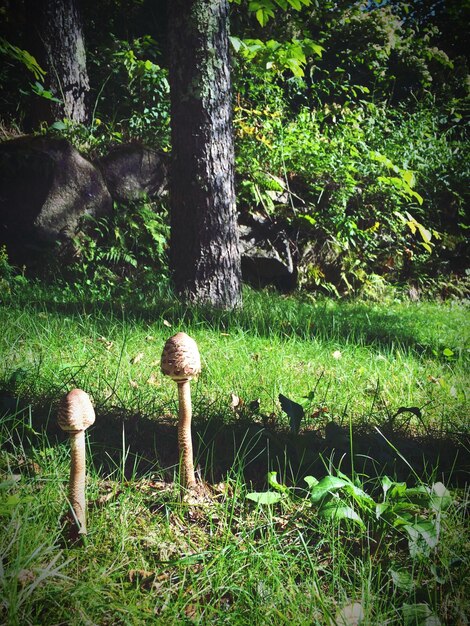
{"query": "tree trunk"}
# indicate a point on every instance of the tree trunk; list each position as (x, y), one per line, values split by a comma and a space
(204, 249)
(58, 44)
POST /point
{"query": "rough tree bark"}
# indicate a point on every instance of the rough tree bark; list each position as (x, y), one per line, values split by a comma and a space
(58, 44)
(204, 248)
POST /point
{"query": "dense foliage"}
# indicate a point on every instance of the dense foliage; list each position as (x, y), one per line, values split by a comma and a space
(349, 122)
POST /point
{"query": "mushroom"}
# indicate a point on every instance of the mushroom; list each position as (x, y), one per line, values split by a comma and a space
(181, 362)
(74, 416)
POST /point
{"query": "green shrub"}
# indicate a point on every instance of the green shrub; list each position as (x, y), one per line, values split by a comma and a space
(361, 187)
(123, 253)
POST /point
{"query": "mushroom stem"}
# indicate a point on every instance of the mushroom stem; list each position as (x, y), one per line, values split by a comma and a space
(77, 479)
(185, 443)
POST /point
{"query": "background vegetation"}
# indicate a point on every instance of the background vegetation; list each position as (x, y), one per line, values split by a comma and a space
(350, 124)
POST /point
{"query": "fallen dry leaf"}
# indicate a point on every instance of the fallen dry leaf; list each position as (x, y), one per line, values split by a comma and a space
(144, 578)
(26, 576)
(107, 344)
(132, 383)
(152, 380)
(191, 611)
(350, 615)
(138, 357)
(236, 402)
(166, 323)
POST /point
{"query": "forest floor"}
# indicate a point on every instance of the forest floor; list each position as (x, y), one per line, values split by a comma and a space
(331, 442)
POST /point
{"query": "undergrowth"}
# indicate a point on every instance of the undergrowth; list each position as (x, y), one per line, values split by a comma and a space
(327, 552)
(331, 437)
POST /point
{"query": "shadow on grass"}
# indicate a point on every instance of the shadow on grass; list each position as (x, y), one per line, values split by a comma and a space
(132, 446)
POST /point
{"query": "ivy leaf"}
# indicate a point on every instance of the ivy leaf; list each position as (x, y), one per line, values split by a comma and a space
(294, 411)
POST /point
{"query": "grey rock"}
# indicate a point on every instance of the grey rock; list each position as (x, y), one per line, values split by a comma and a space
(46, 187)
(266, 255)
(132, 171)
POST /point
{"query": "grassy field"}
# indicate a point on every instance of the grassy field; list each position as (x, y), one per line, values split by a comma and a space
(383, 537)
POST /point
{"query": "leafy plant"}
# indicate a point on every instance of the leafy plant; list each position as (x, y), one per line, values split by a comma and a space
(112, 253)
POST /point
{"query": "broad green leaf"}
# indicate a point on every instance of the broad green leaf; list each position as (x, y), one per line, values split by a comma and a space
(23, 56)
(424, 232)
(8, 504)
(408, 177)
(261, 17)
(396, 489)
(264, 497)
(441, 498)
(418, 495)
(402, 579)
(58, 125)
(340, 511)
(317, 49)
(386, 484)
(236, 43)
(326, 485)
(308, 218)
(363, 498)
(381, 508)
(311, 481)
(424, 531)
(419, 615)
(437, 574)
(416, 195)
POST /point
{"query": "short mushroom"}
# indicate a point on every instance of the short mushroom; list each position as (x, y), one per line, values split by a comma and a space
(181, 362)
(75, 415)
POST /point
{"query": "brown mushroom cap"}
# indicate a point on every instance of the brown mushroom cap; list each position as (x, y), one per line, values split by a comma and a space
(75, 412)
(180, 358)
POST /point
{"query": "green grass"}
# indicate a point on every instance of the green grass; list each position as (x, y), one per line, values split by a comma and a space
(151, 557)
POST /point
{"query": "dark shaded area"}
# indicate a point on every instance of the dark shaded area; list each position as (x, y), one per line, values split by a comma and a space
(46, 187)
(141, 445)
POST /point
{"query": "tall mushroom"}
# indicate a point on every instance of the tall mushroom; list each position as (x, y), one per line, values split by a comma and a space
(181, 362)
(75, 415)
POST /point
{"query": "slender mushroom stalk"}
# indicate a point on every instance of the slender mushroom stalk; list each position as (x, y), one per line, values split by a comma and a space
(181, 362)
(75, 415)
